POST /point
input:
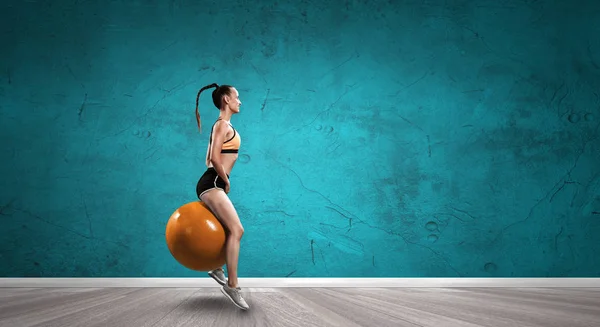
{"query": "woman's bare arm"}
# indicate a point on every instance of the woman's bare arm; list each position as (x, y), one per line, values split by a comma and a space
(219, 134)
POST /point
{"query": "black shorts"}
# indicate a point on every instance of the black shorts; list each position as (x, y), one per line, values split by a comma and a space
(209, 180)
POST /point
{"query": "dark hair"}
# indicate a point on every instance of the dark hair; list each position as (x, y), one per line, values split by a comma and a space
(217, 96)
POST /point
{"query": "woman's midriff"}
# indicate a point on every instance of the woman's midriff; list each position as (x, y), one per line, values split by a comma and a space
(228, 160)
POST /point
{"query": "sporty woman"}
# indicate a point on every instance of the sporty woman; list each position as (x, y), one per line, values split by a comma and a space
(213, 186)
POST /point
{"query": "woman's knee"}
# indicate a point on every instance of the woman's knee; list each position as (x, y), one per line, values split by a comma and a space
(236, 231)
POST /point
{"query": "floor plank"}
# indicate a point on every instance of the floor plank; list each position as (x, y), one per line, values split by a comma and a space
(300, 307)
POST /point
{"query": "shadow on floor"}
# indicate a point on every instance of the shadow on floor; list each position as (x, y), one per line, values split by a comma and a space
(210, 303)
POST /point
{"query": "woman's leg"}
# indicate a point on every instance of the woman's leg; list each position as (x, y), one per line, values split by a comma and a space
(206, 182)
(221, 206)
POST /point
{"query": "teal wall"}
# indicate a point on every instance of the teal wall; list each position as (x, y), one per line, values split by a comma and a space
(407, 138)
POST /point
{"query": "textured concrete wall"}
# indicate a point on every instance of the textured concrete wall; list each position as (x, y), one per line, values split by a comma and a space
(405, 138)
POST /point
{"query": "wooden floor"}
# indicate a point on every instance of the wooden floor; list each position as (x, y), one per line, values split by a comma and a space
(347, 307)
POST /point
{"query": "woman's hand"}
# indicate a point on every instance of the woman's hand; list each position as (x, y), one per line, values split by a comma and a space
(227, 185)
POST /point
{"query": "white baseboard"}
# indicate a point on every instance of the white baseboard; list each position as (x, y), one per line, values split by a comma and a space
(302, 282)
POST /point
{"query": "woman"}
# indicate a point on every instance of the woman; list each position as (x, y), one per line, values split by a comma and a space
(213, 186)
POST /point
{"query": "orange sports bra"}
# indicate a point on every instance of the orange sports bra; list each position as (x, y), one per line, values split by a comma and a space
(229, 146)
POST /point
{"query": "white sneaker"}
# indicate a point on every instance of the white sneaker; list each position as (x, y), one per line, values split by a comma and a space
(234, 295)
(218, 275)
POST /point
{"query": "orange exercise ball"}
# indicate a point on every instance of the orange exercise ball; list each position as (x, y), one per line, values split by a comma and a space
(196, 239)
